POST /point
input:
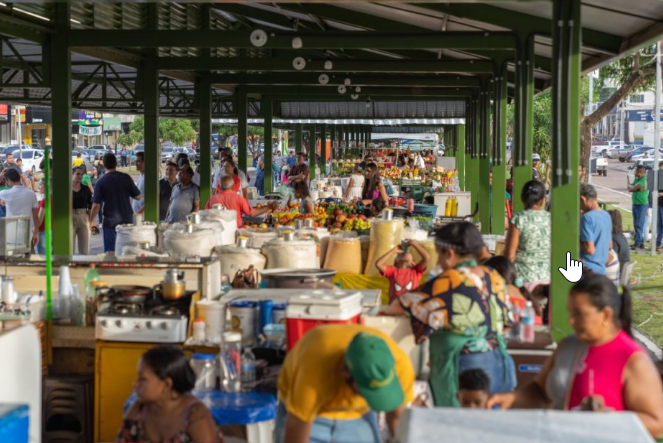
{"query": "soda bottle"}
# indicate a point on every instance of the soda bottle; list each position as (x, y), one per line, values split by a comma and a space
(527, 322)
(91, 275)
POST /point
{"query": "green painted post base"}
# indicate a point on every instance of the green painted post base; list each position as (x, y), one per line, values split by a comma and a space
(499, 199)
(522, 174)
(484, 195)
(474, 183)
(566, 238)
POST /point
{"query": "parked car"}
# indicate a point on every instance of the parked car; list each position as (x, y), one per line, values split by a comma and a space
(637, 152)
(31, 158)
(630, 173)
(598, 164)
(10, 150)
(647, 154)
(167, 153)
(622, 152)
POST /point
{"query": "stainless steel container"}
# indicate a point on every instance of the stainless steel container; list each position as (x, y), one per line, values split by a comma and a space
(15, 236)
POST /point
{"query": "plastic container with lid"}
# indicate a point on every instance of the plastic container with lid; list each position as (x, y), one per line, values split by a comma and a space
(199, 330)
(204, 366)
(230, 361)
(244, 320)
(306, 311)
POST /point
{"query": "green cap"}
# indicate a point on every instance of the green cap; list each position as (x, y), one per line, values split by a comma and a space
(372, 367)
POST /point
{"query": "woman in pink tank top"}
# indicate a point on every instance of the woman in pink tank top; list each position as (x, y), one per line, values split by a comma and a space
(600, 367)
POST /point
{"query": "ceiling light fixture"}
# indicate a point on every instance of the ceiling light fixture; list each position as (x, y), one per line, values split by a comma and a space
(342, 89)
(258, 38)
(297, 43)
(299, 63)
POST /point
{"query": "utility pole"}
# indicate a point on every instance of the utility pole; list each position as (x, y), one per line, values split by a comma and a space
(657, 146)
(588, 111)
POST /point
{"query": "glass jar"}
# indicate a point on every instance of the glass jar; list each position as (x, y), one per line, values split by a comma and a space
(230, 361)
(204, 366)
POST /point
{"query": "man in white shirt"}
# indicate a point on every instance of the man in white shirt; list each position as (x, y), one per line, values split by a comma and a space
(139, 205)
(20, 201)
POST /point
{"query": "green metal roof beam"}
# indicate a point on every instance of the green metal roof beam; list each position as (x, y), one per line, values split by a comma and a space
(345, 66)
(525, 23)
(311, 40)
(305, 78)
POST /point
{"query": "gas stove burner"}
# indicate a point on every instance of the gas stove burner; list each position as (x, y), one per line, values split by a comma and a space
(126, 308)
(168, 311)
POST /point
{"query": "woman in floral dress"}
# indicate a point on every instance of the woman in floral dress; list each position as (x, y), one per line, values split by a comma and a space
(463, 313)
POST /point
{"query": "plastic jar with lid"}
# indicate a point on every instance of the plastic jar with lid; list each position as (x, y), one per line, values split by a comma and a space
(204, 366)
(230, 361)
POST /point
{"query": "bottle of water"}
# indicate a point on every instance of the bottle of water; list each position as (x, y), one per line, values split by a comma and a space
(248, 376)
(515, 315)
(527, 321)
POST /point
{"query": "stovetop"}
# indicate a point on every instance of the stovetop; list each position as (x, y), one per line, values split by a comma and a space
(151, 321)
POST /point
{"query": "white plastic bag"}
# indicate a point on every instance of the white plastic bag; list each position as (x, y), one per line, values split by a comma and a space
(198, 243)
(132, 235)
(291, 254)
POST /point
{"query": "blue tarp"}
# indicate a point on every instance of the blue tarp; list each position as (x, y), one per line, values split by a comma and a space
(14, 423)
(243, 408)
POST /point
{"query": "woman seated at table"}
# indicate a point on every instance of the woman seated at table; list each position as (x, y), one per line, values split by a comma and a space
(373, 186)
(608, 370)
(463, 312)
(165, 411)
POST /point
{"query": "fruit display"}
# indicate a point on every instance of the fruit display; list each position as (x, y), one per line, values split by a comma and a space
(391, 173)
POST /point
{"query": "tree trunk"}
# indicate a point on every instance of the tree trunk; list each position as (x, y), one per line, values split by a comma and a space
(588, 122)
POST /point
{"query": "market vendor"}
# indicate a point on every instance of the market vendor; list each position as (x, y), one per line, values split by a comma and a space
(333, 380)
(600, 367)
(230, 199)
(299, 172)
(463, 314)
(373, 186)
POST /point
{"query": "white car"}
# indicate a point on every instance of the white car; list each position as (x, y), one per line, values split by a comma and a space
(31, 159)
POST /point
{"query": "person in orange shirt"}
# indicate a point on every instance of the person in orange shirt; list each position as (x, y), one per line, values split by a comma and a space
(229, 199)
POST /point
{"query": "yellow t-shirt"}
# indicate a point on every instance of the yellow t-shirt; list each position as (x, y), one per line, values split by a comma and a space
(310, 382)
(78, 161)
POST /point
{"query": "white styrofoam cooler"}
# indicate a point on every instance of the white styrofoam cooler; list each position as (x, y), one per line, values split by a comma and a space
(464, 202)
(332, 306)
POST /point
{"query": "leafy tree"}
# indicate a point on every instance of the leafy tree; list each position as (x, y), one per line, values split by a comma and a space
(633, 73)
(175, 130)
(542, 123)
(128, 139)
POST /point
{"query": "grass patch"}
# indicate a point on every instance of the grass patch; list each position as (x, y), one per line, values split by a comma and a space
(647, 288)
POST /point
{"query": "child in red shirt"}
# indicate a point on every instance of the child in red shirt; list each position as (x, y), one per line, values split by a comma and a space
(405, 275)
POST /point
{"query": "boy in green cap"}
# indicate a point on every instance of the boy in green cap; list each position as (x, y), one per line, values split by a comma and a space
(333, 380)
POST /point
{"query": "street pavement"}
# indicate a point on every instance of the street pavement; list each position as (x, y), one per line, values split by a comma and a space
(612, 188)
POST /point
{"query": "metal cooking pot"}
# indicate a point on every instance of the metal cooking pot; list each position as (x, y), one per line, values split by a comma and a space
(298, 278)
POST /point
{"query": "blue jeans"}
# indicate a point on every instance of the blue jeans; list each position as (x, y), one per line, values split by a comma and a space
(363, 430)
(493, 365)
(41, 246)
(659, 229)
(109, 239)
(639, 215)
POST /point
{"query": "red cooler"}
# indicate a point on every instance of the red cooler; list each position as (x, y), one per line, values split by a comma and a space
(306, 311)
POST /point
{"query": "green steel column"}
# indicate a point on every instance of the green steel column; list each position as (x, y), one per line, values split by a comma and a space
(323, 149)
(474, 163)
(524, 118)
(152, 148)
(460, 155)
(205, 136)
(266, 107)
(484, 160)
(346, 139)
(242, 132)
(60, 68)
(565, 153)
(312, 151)
(499, 157)
(299, 142)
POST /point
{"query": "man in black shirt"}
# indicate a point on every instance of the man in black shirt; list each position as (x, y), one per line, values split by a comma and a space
(166, 189)
(115, 190)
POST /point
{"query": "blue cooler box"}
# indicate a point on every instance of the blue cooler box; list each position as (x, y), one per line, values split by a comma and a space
(14, 423)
